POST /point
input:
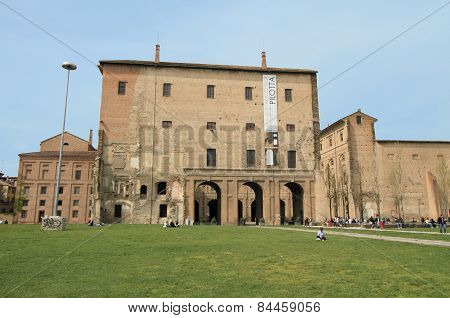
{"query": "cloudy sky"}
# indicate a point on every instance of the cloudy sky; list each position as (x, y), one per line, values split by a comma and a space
(405, 84)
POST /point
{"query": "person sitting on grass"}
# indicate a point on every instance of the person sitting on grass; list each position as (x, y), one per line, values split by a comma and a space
(321, 235)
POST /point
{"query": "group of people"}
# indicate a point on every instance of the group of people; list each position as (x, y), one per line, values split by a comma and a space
(4, 222)
(92, 223)
(171, 223)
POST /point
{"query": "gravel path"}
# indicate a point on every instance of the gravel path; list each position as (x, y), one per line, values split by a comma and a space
(368, 236)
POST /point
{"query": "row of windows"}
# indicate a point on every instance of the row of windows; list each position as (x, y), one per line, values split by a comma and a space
(211, 125)
(272, 158)
(414, 156)
(44, 190)
(210, 91)
(43, 202)
(24, 214)
(45, 173)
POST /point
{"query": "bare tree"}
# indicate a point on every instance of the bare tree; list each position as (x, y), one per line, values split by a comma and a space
(330, 184)
(397, 187)
(344, 191)
(443, 184)
(357, 191)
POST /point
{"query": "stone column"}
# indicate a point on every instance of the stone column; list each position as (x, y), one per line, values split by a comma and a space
(190, 196)
(267, 204)
(276, 216)
(224, 218)
(233, 207)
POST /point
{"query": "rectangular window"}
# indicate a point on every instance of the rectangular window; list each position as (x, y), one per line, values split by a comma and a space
(330, 141)
(74, 213)
(44, 174)
(250, 158)
(118, 210)
(58, 213)
(43, 190)
(250, 126)
(60, 202)
(166, 89)
(341, 136)
(288, 95)
(26, 190)
(248, 93)
(321, 148)
(359, 120)
(211, 157)
(77, 174)
(210, 125)
(25, 203)
(121, 90)
(76, 202)
(290, 127)
(61, 190)
(272, 158)
(292, 158)
(166, 124)
(415, 156)
(23, 214)
(41, 202)
(210, 91)
(163, 210)
(76, 190)
(161, 187)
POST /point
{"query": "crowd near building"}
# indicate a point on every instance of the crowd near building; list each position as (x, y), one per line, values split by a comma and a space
(204, 143)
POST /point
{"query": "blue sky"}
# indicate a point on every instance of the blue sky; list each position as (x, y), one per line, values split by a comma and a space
(405, 85)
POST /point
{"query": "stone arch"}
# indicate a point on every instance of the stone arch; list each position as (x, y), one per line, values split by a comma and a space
(257, 205)
(297, 201)
(143, 192)
(218, 199)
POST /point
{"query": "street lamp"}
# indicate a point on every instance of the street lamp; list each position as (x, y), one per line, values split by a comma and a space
(69, 67)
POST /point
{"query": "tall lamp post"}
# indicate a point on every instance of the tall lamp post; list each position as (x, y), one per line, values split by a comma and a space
(69, 67)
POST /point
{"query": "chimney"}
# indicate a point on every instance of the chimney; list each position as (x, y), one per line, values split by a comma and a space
(264, 62)
(157, 53)
(90, 137)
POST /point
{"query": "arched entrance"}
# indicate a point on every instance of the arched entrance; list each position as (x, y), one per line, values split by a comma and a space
(254, 210)
(209, 196)
(297, 201)
(196, 212)
(240, 211)
(212, 205)
(282, 212)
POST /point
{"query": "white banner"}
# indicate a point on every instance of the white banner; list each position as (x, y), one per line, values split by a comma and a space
(270, 103)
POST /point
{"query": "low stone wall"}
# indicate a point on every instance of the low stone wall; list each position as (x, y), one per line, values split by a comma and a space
(54, 223)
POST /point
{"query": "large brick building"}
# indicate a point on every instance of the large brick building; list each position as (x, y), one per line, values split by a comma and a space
(391, 177)
(205, 142)
(37, 180)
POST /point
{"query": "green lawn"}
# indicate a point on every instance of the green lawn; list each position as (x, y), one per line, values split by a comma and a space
(212, 261)
(400, 233)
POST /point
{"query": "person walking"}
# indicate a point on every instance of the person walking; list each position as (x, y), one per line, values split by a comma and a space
(442, 224)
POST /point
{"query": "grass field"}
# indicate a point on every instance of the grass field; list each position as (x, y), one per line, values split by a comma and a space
(212, 261)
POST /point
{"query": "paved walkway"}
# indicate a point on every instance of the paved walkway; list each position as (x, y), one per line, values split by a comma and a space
(385, 230)
(368, 236)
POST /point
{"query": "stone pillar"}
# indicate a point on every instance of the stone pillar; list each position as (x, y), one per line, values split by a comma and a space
(224, 219)
(190, 196)
(267, 204)
(233, 207)
(276, 217)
